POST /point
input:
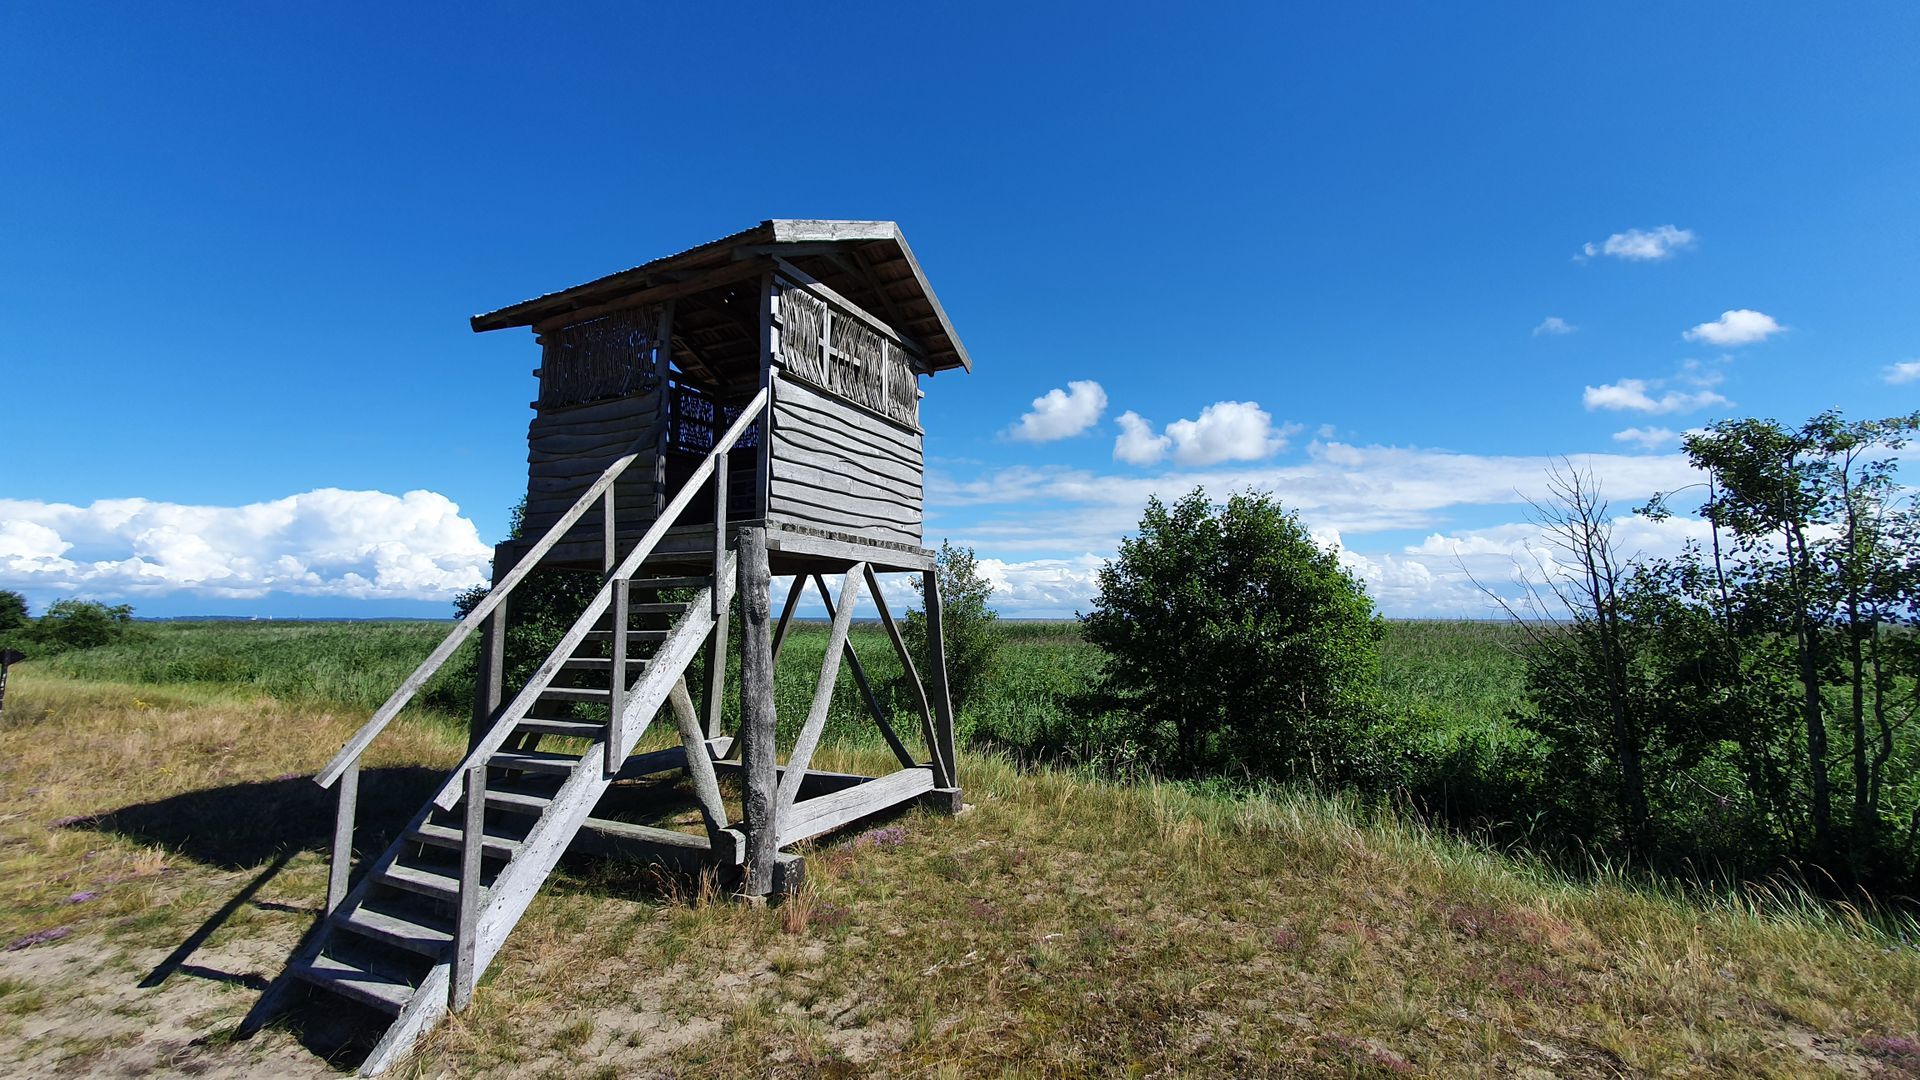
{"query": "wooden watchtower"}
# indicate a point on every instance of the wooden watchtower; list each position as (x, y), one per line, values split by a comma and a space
(745, 410)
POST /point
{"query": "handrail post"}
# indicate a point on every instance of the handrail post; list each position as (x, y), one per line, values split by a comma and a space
(617, 679)
(473, 839)
(720, 470)
(607, 529)
(343, 836)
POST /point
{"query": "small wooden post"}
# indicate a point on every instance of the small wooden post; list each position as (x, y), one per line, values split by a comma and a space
(617, 681)
(607, 531)
(717, 664)
(489, 687)
(343, 837)
(472, 843)
(756, 712)
(937, 662)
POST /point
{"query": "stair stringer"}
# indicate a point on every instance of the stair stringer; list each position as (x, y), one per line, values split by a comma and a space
(515, 887)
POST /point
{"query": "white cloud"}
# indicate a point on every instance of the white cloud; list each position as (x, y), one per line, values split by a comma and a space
(1043, 587)
(1741, 326)
(1641, 245)
(1905, 371)
(1356, 490)
(1137, 444)
(1061, 414)
(1224, 431)
(329, 542)
(1555, 326)
(1648, 438)
(1636, 395)
(1445, 574)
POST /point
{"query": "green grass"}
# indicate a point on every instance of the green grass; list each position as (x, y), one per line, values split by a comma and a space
(347, 664)
(1067, 926)
(1446, 676)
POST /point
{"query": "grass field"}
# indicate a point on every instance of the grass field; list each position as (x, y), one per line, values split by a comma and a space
(160, 853)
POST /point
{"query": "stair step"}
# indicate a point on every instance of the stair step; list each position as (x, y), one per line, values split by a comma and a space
(696, 582)
(647, 636)
(517, 802)
(576, 693)
(406, 933)
(600, 663)
(554, 725)
(491, 844)
(657, 608)
(417, 879)
(386, 994)
(534, 761)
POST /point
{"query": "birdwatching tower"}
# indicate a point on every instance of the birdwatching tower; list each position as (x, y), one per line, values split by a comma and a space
(706, 423)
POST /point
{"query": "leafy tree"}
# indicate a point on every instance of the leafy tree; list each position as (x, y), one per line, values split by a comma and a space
(13, 611)
(969, 627)
(1234, 642)
(1815, 580)
(1616, 665)
(82, 624)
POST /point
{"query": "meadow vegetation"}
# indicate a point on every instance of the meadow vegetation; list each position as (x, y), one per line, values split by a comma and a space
(161, 850)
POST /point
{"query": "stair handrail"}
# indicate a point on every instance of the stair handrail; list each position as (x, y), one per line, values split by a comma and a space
(508, 717)
(357, 745)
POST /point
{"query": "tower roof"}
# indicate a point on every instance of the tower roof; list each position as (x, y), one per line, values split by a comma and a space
(868, 262)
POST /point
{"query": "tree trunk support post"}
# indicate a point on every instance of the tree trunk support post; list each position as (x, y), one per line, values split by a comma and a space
(756, 713)
(937, 674)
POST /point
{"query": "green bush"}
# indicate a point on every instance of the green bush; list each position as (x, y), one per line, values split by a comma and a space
(1235, 643)
(969, 629)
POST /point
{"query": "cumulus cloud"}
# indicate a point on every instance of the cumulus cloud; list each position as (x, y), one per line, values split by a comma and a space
(1905, 371)
(1224, 431)
(328, 542)
(1641, 245)
(1137, 444)
(1061, 414)
(1050, 512)
(1554, 326)
(1648, 438)
(1637, 395)
(1741, 326)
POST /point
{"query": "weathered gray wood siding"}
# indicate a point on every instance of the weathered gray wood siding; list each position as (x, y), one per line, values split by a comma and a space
(839, 467)
(568, 448)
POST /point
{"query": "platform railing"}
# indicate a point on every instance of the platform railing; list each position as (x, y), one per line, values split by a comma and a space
(344, 769)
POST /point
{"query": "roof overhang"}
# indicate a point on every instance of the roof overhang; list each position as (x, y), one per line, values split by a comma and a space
(868, 262)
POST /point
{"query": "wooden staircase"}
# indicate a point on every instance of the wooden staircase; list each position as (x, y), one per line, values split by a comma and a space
(412, 936)
(394, 941)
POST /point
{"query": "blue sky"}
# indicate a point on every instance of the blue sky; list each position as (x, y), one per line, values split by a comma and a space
(238, 248)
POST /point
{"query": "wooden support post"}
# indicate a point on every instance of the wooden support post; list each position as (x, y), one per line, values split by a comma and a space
(937, 661)
(490, 683)
(706, 784)
(349, 784)
(617, 681)
(467, 920)
(786, 614)
(866, 688)
(717, 677)
(809, 736)
(756, 712)
(934, 748)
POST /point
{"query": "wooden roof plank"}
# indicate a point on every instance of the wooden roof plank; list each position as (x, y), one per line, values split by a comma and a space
(878, 247)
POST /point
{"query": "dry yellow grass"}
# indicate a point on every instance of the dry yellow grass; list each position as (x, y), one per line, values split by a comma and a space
(1062, 927)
